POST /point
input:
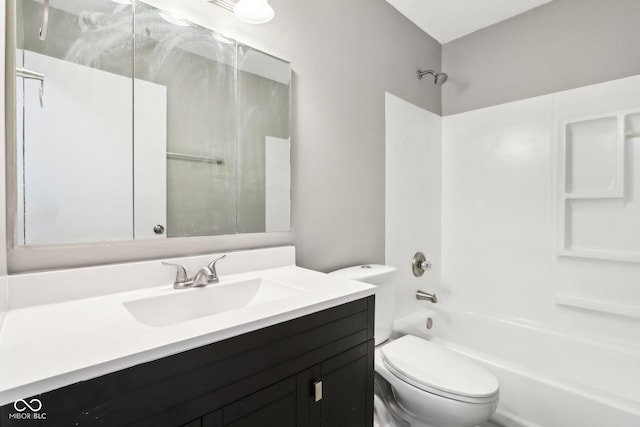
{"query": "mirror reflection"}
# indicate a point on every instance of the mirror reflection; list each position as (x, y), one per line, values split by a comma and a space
(176, 131)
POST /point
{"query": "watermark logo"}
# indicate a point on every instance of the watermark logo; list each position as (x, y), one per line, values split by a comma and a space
(28, 410)
(21, 405)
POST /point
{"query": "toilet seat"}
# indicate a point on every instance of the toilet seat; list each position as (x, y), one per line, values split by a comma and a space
(439, 371)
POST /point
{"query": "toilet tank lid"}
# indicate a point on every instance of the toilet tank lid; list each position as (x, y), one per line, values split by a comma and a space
(370, 273)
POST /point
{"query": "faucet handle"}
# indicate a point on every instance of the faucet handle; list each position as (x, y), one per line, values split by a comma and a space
(212, 265)
(182, 279)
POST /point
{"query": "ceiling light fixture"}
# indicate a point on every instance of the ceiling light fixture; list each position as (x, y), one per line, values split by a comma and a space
(253, 11)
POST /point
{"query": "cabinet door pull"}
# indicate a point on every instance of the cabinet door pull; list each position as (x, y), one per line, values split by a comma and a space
(317, 391)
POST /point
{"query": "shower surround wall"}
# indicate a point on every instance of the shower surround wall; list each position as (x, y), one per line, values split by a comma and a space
(501, 229)
(502, 222)
(500, 216)
(413, 184)
(500, 173)
(502, 278)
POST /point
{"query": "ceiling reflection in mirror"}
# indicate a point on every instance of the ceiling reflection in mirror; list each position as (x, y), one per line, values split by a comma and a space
(135, 124)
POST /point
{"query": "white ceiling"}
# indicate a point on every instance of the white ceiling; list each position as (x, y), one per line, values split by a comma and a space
(447, 20)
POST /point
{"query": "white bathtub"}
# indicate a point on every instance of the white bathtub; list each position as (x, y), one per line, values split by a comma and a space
(547, 379)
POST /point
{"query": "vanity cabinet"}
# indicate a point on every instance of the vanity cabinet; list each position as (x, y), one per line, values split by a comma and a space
(315, 370)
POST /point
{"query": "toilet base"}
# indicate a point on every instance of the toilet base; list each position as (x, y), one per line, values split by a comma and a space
(386, 412)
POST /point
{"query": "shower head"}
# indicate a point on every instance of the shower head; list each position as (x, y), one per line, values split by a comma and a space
(441, 78)
(438, 78)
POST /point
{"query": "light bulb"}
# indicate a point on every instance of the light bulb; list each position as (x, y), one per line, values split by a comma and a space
(253, 11)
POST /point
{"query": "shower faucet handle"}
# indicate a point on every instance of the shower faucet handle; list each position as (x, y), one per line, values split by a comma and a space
(419, 264)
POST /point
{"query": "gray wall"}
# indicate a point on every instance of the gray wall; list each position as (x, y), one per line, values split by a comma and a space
(561, 45)
(345, 55)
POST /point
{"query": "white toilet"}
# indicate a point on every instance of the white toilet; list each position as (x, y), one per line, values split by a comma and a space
(431, 386)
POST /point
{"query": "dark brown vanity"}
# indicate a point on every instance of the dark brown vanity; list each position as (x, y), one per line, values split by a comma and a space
(315, 370)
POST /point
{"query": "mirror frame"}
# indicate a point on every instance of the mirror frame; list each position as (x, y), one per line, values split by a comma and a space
(29, 258)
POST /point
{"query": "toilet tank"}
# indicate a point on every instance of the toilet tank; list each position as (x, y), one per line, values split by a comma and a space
(380, 276)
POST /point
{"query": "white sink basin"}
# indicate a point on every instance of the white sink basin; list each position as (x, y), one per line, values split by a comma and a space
(188, 304)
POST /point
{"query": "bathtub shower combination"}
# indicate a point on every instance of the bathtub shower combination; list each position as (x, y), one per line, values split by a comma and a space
(529, 212)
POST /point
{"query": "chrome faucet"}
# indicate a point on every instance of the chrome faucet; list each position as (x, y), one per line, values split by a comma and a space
(421, 295)
(205, 275)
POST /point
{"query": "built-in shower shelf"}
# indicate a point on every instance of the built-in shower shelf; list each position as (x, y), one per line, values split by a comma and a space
(593, 155)
(632, 125)
(602, 255)
(604, 194)
(596, 216)
(597, 305)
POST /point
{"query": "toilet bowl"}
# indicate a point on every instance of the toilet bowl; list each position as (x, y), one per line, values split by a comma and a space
(431, 386)
(435, 386)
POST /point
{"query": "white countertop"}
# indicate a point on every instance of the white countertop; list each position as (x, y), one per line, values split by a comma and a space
(46, 347)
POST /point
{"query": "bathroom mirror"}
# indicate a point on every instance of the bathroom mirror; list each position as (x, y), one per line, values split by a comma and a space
(133, 124)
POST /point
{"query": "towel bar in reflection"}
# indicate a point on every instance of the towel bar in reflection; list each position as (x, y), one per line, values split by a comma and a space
(190, 158)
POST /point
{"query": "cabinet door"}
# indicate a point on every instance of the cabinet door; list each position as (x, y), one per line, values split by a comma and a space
(344, 391)
(274, 406)
(340, 390)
